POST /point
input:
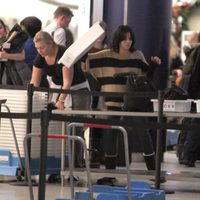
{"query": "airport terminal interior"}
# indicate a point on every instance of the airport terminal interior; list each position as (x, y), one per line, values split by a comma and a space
(176, 181)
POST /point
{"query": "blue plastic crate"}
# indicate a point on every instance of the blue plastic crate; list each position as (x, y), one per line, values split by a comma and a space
(140, 190)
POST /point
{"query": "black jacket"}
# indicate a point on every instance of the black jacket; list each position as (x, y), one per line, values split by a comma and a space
(194, 70)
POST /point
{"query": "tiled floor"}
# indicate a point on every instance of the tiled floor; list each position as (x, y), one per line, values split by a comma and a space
(181, 182)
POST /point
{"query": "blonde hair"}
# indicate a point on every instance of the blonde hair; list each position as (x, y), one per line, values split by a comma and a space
(45, 37)
(174, 49)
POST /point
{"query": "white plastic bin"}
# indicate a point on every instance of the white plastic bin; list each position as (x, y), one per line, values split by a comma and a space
(197, 105)
(174, 105)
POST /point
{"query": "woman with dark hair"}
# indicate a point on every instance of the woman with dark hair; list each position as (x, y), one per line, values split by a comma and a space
(3, 31)
(22, 51)
(12, 54)
(3, 35)
(119, 35)
(122, 57)
(32, 25)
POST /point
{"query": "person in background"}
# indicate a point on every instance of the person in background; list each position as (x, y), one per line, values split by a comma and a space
(190, 82)
(99, 45)
(97, 102)
(32, 25)
(190, 49)
(58, 28)
(122, 57)
(174, 55)
(3, 34)
(3, 31)
(12, 54)
(175, 62)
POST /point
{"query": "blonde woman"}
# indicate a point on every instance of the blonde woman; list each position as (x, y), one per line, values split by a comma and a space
(58, 75)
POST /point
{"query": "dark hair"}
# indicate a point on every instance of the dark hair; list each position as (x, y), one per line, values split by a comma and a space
(63, 11)
(32, 25)
(4, 25)
(105, 28)
(120, 35)
(198, 37)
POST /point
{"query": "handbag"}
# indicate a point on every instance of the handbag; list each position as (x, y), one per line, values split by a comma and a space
(138, 84)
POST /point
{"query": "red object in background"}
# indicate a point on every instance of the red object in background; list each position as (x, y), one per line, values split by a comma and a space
(185, 5)
(176, 11)
(178, 29)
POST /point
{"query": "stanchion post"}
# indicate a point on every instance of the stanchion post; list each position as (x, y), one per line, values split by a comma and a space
(158, 139)
(29, 111)
(43, 154)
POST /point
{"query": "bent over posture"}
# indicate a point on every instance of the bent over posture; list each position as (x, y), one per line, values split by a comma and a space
(58, 75)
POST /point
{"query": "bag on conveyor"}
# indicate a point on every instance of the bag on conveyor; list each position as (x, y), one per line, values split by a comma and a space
(138, 83)
(176, 93)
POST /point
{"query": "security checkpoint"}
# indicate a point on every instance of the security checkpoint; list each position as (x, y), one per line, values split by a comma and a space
(75, 117)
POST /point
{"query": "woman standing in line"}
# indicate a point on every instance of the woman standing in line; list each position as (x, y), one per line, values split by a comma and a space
(122, 57)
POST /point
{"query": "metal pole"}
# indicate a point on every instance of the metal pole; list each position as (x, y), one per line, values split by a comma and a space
(63, 150)
(29, 107)
(126, 149)
(29, 111)
(158, 140)
(125, 20)
(43, 154)
(27, 164)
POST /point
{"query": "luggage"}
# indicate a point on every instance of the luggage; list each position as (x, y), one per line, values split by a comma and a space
(180, 146)
(176, 93)
(138, 83)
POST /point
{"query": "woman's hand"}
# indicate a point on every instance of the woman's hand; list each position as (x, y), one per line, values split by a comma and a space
(156, 60)
(60, 105)
(178, 72)
(3, 55)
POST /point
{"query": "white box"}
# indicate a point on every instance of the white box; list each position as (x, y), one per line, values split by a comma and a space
(174, 105)
(197, 105)
(82, 45)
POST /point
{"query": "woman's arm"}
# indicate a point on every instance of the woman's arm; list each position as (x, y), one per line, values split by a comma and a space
(36, 76)
(67, 81)
(154, 63)
(156, 60)
(12, 56)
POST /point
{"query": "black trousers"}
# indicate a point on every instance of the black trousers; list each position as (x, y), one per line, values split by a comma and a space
(192, 143)
(113, 140)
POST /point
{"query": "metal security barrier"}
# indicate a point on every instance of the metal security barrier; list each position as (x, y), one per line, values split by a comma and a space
(63, 137)
(15, 143)
(104, 126)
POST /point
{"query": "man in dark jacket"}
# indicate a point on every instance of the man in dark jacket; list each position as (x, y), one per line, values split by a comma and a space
(191, 70)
